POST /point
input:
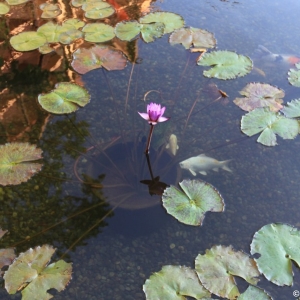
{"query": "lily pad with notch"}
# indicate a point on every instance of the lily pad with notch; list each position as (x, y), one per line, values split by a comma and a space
(127, 30)
(278, 245)
(65, 98)
(260, 95)
(17, 162)
(218, 266)
(97, 9)
(190, 204)
(225, 64)
(152, 31)
(294, 76)
(27, 41)
(98, 32)
(174, 283)
(269, 123)
(50, 10)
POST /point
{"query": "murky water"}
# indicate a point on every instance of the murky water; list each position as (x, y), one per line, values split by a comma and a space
(113, 253)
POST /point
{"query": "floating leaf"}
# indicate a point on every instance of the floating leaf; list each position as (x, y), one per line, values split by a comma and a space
(4, 8)
(260, 95)
(27, 41)
(45, 49)
(189, 205)
(193, 36)
(270, 123)
(278, 245)
(127, 31)
(225, 64)
(16, 162)
(6, 255)
(16, 2)
(173, 283)
(97, 9)
(152, 31)
(292, 109)
(50, 10)
(78, 3)
(98, 32)
(70, 36)
(217, 267)
(170, 20)
(30, 269)
(252, 293)
(51, 31)
(294, 76)
(85, 60)
(65, 98)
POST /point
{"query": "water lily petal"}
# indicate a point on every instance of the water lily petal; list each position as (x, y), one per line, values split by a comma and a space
(144, 116)
(162, 119)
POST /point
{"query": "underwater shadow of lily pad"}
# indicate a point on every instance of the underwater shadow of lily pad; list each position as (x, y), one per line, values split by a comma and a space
(17, 162)
(190, 205)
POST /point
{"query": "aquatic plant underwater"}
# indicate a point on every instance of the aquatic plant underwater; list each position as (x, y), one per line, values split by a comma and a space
(214, 271)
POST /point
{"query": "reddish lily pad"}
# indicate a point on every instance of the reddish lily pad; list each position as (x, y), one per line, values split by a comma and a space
(85, 60)
(17, 162)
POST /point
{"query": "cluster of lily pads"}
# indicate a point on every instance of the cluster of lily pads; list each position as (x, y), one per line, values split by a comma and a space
(215, 270)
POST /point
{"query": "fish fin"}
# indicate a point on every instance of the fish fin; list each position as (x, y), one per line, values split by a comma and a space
(192, 172)
(225, 165)
(203, 172)
(168, 146)
(216, 169)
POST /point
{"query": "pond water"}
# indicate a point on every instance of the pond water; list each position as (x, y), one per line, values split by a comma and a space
(115, 246)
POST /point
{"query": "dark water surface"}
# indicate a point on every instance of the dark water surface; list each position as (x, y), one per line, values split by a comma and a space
(113, 254)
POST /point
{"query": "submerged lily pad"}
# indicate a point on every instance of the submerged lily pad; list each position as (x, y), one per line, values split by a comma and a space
(294, 76)
(225, 64)
(193, 36)
(254, 292)
(217, 267)
(173, 283)
(127, 30)
(27, 41)
(65, 98)
(4, 8)
(97, 9)
(260, 95)
(6, 255)
(152, 31)
(85, 60)
(270, 123)
(98, 32)
(278, 245)
(30, 270)
(50, 10)
(170, 20)
(17, 162)
(292, 109)
(189, 205)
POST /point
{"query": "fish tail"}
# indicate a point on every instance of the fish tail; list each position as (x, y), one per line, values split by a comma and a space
(225, 165)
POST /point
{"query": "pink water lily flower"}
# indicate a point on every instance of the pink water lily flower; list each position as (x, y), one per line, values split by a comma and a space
(154, 114)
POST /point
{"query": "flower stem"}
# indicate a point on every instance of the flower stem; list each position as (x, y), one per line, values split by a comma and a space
(149, 139)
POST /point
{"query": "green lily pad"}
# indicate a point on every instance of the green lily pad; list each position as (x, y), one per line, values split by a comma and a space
(189, 205)
(27, 41)
(225, 64)
(193, 36)
(78, 3)
(51, 31)
(50, 10)
(217, 267)
(152, 31)
(85, 60)
(277, 244)
(170, 20)
(292, 109)
(127, 30)
(294, 76)
(173, 283)
(73, 23)
(97, 9)
(16, 2)
(254, 292)
(98, 32)
(30, 270)
(270, 123)
(46, 49)
(70, 36)
(17, 162)
(65, 98)
(4, 8)
(260, 95)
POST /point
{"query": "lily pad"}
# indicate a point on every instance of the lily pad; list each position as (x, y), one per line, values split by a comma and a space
(70, 36)
(270, 123)
(46, 49)
(27, 41)
(85, 60)
(278, 245)
(98, 32)
(254, 292)
(292, 109)
(127, 31)
(4, 8)
(170, 20)
(16, 2)
(97, 9)
(17, 162)
(294, 76)
(152, 31)
(191, 203)
(65, 98)
(50, 10)
(6, 255)
(78, 3)
(260, 95)
(30, 270)
(225, 64)
(173, 283)
(217, 267)
(193, 36)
